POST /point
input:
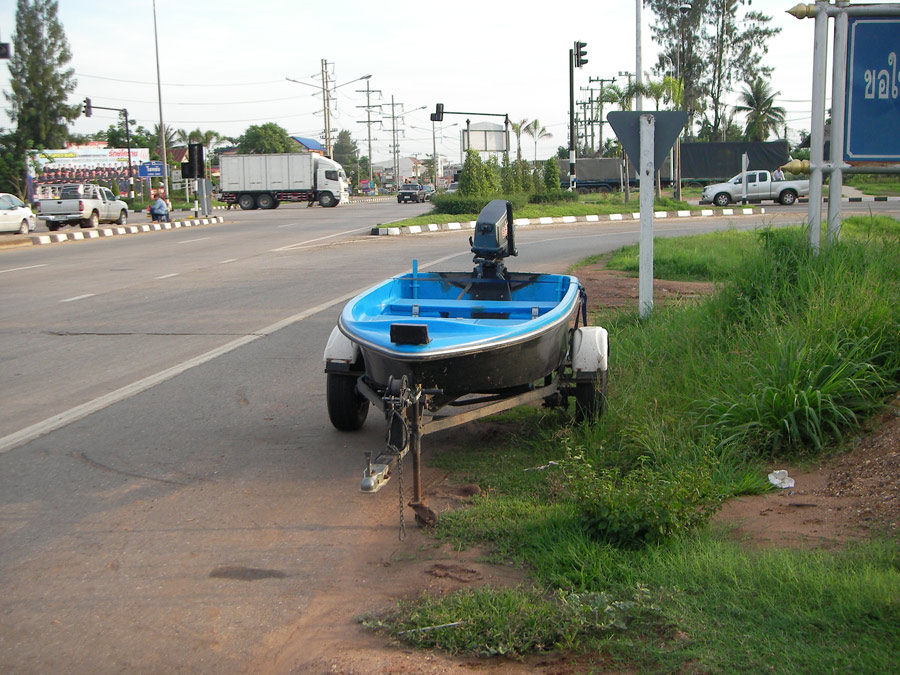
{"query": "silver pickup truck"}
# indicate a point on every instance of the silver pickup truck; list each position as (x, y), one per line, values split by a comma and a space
(83, 203)
(760, 186)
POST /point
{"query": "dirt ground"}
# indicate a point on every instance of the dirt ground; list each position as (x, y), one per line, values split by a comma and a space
(849, 496)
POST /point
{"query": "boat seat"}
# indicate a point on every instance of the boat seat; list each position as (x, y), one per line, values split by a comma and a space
(486, 309)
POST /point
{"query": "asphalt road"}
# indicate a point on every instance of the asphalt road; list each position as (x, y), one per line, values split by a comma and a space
(172, 495)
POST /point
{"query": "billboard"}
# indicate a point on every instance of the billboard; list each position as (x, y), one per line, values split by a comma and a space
(86, 157)
(485, 137)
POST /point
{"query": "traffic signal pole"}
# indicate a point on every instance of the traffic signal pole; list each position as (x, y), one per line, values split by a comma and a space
(89, 110)
(571, 119)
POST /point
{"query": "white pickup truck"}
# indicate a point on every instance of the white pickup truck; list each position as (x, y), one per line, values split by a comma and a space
(83, 203)
(760, 186)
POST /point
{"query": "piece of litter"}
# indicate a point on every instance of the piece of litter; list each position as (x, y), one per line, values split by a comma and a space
(781, 479)
(549, 464)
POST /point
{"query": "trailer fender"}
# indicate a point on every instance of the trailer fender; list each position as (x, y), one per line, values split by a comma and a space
(341, 348)
(590, 350)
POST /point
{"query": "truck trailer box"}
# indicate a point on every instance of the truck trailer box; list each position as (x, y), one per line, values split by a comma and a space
(275, 173)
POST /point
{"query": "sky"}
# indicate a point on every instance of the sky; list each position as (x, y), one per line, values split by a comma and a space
(223, 65)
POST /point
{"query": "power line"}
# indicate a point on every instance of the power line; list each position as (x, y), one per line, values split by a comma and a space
(173, 84)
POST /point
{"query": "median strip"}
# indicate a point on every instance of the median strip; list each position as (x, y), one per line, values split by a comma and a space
(469, 225)
(78, 235)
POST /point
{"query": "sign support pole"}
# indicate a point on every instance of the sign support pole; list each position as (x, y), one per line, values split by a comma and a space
(838, 112)
(817, 130)
(645, 262)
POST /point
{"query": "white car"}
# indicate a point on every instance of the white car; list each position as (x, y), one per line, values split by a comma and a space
(15, 215)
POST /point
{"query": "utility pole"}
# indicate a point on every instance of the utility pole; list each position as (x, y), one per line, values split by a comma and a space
(601, 102)
(326, 108)
(368, 122)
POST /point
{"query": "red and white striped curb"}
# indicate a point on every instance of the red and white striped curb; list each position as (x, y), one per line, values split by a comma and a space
(78, 235)
(520, 222)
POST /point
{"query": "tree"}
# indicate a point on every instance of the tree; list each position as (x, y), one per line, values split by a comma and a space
(518, 128)
(471, 180)
(12, 164)
(709, 46)
(551, 175)
(537, 132)
(345, 150)
(39, 77)
(763, 116)
(266, 138)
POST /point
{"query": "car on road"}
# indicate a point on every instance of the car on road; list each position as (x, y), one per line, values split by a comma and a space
(452, 188)
(429, 192)
(15, 215)
(760, 185)
(411, 192)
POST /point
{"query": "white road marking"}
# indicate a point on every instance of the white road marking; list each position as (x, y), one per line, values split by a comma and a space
(79, 297)
(230, 260)
(167, 276)
(191, 241)
(19, 269)
(28, 434)
(309, 242)
(277, 227)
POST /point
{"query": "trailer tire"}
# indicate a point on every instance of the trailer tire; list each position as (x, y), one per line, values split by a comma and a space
(327, 199)
(590, 398)
(787, 197)
(722, 199)
(347, 408)
(604, 189)
(265, 201)
(247, 202)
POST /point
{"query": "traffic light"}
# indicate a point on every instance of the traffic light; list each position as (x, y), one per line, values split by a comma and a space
(88, 110)
(194, 167)
(580, 53)
(438, 114)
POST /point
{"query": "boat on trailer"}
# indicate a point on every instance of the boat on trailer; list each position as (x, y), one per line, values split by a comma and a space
(438, 349)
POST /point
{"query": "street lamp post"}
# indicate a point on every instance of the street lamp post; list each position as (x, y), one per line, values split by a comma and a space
(162, 124)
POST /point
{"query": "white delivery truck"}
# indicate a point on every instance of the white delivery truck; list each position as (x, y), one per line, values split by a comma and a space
(264, 181)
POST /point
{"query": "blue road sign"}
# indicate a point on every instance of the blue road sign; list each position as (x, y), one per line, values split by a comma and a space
(151, 170)
(872, 126)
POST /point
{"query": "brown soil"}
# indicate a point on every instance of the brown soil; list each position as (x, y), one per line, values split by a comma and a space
(853, 495)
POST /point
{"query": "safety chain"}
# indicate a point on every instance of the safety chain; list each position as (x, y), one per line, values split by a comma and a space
(401, 535)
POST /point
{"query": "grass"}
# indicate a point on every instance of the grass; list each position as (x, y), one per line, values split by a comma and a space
(789, 355)
(876, 185)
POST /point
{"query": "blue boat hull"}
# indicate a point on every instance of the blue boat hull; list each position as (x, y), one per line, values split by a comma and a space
(483, 335)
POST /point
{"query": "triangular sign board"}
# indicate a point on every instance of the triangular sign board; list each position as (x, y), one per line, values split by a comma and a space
(668, 124)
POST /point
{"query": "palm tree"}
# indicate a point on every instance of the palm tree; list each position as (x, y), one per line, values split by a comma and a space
(655, 89)
(518, 128)
(170, 138)
(537, 132)
(763, 116)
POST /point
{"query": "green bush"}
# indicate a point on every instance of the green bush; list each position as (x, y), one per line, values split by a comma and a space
(461, 204)
(643, 506)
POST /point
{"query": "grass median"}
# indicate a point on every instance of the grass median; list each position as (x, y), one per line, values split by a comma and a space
(790, 355)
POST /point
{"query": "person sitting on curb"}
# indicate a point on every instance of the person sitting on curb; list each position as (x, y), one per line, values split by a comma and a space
(159, 210)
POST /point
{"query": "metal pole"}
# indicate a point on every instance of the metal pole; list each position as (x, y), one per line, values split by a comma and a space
(817, 131)
(645, 261)
(838, 104)
(128, 144)
(571, 120)
(433, 156)
(369, 128)
(326, 109)
(162, 124)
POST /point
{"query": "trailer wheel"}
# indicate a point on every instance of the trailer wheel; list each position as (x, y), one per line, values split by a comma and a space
(247, 202)
(722, 199)
(327, 199)
(604, 189)
(590, 398)
(265, 201)
(347, 408)
(787, 197)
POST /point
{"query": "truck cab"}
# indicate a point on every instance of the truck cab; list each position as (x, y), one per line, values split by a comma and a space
(331, 179)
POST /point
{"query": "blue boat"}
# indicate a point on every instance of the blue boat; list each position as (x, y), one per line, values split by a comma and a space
(419, 343)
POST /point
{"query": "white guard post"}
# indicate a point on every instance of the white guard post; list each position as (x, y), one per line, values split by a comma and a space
(645, 263)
